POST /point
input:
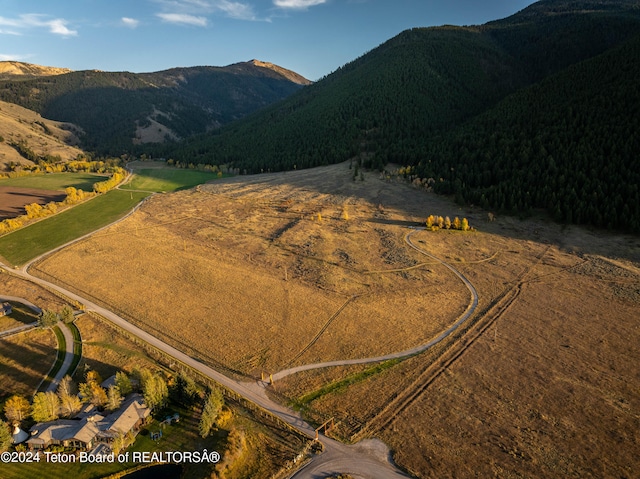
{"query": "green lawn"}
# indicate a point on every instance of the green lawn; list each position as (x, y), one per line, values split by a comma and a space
(62, 352)
(167, 179)
(29, 242)
(54, 181)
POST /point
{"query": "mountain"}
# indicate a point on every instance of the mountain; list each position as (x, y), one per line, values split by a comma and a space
(24, 133)
(118, 109)
(20, 70)
(430, 92)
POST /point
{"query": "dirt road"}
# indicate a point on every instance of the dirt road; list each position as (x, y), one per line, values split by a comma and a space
(360, 459)
(473, 304)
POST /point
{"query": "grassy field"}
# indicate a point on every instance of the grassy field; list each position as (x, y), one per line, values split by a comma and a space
(246, 272)
(272, 275)
(61, 354)
(20, 316)
(27, 243)
(24, 360)
(167, 179)
(55, 181)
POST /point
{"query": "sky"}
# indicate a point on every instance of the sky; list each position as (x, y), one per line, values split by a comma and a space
(310, 37)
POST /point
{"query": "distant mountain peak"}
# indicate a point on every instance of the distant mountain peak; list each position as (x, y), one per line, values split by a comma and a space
(288, 74)
(13, 68)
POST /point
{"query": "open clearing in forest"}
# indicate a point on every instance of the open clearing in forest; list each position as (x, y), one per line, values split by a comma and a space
(54, 181)
(154, 178)
(260, 275)
(245, 272)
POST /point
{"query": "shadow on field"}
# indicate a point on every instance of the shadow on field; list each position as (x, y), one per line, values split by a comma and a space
(402, 199)
(27, 356)
(403, 223)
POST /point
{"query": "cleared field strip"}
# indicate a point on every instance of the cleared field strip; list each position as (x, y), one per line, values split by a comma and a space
(159, 180)
(55, 181)
(34, 240)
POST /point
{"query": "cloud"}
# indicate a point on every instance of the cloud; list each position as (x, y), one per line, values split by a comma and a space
(240, 11)
(129, 22)
(57, 26)
(200, 8)
(298, 4)
(183, 19)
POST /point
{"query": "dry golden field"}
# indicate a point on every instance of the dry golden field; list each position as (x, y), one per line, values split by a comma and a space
(27, 357)
(246, 272)
(246, 275)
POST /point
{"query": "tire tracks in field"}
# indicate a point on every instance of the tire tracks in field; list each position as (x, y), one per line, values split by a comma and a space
(322, 330)
(451, 353)
(471, 307)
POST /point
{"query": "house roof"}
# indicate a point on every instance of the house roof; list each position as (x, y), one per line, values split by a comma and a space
(125, 418)
(63, 430)
(91, 424)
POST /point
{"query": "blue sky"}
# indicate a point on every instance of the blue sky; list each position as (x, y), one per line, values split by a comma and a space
(311, 37)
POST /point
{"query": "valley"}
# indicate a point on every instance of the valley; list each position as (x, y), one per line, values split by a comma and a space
(424, 264)
(295, 281)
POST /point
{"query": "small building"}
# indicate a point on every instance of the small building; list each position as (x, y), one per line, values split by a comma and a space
(5, 309)
(19, 435)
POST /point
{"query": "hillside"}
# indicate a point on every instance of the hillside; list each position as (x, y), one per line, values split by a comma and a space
(404, 101)
(568, 144)
(20, 70)
(41, 136)
(178, 102)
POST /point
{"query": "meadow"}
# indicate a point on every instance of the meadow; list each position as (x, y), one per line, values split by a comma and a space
(159, 179)
(256, 274)
(54, 181)
(22, 245)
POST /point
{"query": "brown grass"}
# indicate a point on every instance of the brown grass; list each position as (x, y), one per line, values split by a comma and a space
(106, 351)
(248, 281)
(545, 385)
(20, 124)
(25, 359)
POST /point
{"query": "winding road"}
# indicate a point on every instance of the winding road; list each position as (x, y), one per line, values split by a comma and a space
(369, 458)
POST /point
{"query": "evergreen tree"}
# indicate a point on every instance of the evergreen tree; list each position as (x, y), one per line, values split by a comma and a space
(123, 382)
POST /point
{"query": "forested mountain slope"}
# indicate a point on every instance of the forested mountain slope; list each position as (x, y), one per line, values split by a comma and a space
(112, 107)
(410, 100)
(568, 144)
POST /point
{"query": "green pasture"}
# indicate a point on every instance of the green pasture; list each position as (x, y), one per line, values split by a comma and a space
(27, 243)
(167, 179)
(54, 181)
